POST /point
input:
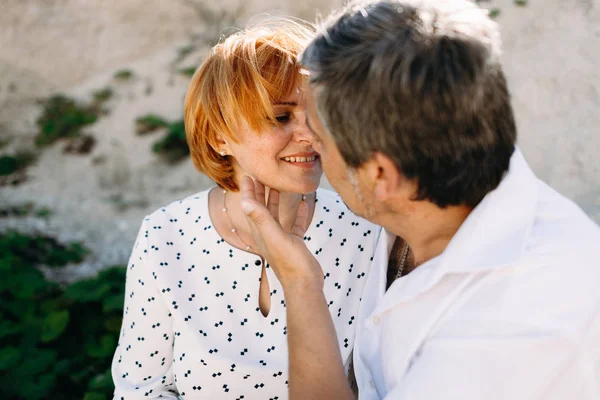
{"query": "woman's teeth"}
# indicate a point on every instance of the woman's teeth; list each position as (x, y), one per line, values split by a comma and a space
(299, 159)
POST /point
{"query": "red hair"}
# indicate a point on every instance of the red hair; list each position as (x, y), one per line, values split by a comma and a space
(238, 84)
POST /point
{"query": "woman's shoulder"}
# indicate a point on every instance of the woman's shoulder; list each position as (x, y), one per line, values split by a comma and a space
(192, 206)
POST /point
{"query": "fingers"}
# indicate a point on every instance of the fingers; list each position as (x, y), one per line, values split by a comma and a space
(273, 203)
(249, 203)
(248, 188)
(260, 218)
(259, 191)
(301, 223)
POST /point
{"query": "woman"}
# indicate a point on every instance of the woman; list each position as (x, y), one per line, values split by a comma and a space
(204, 314)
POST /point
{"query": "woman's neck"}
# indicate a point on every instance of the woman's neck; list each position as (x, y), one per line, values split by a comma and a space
(233, 217)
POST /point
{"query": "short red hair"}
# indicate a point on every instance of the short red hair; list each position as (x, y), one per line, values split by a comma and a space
(238, 83)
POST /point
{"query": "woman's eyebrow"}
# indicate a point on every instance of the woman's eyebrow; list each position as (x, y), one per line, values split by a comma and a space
(286, 103)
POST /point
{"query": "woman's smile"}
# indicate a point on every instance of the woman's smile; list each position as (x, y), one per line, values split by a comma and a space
(303, 160)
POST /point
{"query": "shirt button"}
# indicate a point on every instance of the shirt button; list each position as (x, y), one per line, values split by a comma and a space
(376, 320)
(371, 383)
(257, 262)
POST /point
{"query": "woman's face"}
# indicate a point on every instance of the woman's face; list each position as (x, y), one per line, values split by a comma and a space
(281, 157)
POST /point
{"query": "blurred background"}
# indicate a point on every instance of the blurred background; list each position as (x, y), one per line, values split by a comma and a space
(92, 140)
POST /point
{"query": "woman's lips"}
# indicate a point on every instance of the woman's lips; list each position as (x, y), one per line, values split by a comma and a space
(302, 162)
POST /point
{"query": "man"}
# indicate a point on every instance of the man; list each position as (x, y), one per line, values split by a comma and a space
(493, 277)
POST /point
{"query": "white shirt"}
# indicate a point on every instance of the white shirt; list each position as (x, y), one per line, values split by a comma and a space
(510, 310)
(192, 326)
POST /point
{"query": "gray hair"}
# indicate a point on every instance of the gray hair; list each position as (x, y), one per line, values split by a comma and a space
(419, 81)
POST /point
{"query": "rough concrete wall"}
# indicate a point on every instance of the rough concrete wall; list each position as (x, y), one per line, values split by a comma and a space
(552, 59)
(66, 41)
(551, 56)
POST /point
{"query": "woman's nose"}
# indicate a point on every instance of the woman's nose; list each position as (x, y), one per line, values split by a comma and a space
(302, 133)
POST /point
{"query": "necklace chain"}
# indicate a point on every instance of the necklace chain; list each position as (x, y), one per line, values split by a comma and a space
(402, 261)
(233, 228)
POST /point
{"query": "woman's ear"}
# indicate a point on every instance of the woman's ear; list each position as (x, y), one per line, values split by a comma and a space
(222, 146)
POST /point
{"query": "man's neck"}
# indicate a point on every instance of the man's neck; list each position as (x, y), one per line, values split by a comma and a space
(428, 229)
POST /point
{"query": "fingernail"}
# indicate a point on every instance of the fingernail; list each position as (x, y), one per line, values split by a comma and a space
(247, 207)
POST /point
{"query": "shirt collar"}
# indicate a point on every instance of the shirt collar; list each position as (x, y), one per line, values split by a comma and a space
(492, 236)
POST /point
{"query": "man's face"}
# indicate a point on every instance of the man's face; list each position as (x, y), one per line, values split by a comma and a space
(345, 180)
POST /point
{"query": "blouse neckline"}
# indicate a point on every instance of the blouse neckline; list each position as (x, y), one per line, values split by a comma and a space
(307, 234)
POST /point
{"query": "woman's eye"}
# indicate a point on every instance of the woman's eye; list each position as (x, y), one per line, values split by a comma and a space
(283, 118)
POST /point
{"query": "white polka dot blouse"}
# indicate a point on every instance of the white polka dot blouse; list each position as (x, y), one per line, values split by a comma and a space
(192, 327)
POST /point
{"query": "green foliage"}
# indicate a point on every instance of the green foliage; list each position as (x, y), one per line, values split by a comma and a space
(102, 95)
(41, 249)
(494, 13)
(20, 210)
(149, 123)
(55, 342)
(4, 142)
(185, 50)
(123, 74)
(23, 210)
(10, 164)
(520, 3)
(173, 147)
(43, 212)
(62, 117)
(187, 71)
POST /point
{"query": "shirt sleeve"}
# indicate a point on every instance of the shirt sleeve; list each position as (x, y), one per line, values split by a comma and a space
(539, 365)
(142, 364)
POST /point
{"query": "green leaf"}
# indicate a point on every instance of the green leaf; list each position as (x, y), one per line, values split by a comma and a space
(123, 74)
(102, 382)
(87, 290)
(38, 387)
(94, 396)
(37, 361)
(8, 165)
(26, 282)
(54, 325)
(113, 324)
(8, 328)
(113, 303)
(103, 348)
(187, 71)
(114, 274)
(9, 357)
(62, 117)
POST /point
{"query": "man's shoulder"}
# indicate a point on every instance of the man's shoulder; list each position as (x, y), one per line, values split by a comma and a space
(561, 229)
(552, 286)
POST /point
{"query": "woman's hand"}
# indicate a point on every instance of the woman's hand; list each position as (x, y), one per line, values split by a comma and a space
(286, 252)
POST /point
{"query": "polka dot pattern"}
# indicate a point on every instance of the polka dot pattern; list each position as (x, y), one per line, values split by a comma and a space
(192, 326)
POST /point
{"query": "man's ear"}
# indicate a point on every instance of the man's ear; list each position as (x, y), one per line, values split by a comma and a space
(384, 174)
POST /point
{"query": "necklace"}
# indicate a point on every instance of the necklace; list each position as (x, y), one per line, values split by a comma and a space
(402, 261)
(233, 228)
